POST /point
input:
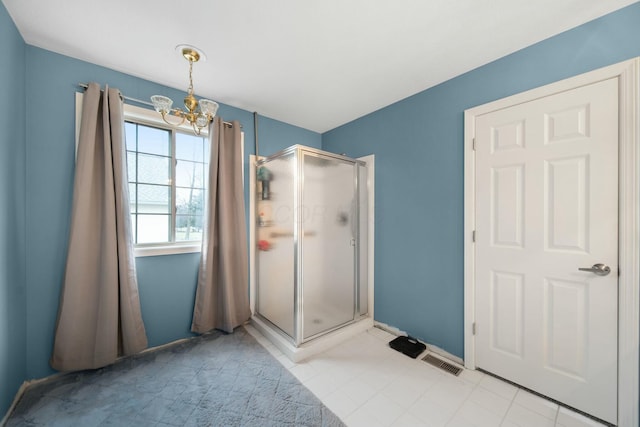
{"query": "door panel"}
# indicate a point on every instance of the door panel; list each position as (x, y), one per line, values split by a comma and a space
(507, 313)
(507, 206)
(566, 327)
(546, 205)
(566, 215)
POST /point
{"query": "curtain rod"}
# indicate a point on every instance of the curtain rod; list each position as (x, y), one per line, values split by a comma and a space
(139, 101)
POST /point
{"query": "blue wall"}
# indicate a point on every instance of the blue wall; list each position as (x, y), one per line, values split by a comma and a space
(418, 143)
(167, 283)
(12, 209)
(274, 136)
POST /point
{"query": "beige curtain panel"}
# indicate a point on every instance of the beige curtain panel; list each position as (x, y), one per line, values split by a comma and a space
(222, 296)
(99, 315)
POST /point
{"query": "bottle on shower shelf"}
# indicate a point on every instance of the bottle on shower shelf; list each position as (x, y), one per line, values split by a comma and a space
(264, 176)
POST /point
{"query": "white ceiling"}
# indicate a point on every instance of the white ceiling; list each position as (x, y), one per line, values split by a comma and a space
(314, 64)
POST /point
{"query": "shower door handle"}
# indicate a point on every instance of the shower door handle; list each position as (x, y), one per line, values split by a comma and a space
(353, 242)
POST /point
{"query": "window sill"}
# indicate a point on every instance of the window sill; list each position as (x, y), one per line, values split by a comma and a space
(143, 251)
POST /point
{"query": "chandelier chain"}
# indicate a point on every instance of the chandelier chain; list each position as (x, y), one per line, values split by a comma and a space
(190, 89)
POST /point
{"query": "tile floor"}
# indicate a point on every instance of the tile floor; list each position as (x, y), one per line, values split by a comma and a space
(368, 384)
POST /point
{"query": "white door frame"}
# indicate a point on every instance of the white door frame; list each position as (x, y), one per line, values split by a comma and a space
(628, 73)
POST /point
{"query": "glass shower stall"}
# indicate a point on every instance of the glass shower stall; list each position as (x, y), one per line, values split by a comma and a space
(311, 237)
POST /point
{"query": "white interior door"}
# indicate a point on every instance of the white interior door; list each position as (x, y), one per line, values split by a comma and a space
(547, 205)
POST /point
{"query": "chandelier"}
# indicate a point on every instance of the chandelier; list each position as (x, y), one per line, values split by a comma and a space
(198, 113)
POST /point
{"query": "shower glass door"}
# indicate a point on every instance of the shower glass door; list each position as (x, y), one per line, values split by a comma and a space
(328, 237)
(276, 245)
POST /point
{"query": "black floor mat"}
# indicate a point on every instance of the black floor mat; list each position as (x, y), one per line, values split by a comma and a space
(407, 345)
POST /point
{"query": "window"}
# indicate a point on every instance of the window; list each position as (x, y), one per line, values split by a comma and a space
(166, 172)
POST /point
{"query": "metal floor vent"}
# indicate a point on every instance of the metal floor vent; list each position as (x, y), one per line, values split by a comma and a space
(439, 363)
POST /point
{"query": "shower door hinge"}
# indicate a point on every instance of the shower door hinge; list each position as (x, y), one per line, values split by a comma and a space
(473, 328)
(473, 236)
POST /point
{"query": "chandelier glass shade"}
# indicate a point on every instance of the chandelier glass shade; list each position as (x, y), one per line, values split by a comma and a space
(198, 113)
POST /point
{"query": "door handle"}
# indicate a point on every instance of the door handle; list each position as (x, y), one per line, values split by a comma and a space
(599, 269)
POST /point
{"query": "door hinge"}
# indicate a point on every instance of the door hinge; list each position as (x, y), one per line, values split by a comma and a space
(473, 144)
(473, 328)
(473, 236)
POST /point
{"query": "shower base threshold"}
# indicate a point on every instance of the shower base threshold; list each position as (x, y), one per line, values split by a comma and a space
(315, 346)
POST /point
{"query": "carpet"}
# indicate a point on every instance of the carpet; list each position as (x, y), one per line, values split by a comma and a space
(212, 380)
